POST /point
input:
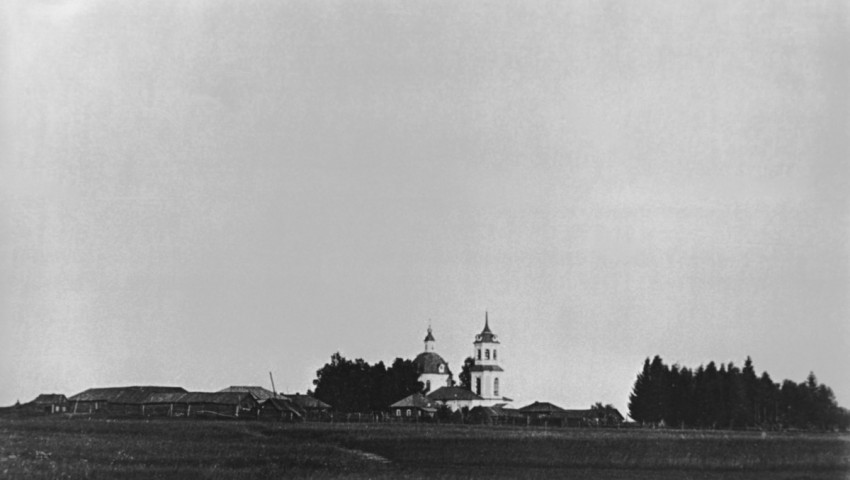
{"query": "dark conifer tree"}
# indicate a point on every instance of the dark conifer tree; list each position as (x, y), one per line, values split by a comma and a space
(730, 397)
(751, 392)
(639, 397)
(659, 382)
(356, 386)
(464, 376)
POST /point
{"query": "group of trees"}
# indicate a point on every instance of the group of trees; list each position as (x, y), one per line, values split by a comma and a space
(730, 397)
(356, 386)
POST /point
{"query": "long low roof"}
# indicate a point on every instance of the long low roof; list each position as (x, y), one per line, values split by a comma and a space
(259, 392)
(131, 395)
(221, 398)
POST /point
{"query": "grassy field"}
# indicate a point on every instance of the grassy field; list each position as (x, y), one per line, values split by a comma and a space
(58, 447)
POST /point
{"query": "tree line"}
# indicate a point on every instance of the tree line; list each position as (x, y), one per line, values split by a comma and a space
(356, 386)
(731, 397)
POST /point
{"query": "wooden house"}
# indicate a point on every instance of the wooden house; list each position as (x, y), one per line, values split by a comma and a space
(413, 407)
(48, 403)
(455, 398)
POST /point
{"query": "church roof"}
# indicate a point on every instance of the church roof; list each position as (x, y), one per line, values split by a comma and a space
(430, 336)
(453, 393)
(486, 336)
(429, 362)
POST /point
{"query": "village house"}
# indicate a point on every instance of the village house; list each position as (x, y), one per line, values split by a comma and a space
(48, 403)
(455, 398)
(415, 406)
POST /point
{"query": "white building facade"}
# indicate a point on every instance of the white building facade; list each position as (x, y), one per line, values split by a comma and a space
(486, 373)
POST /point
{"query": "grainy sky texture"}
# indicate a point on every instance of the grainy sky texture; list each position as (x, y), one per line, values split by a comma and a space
(195, 193)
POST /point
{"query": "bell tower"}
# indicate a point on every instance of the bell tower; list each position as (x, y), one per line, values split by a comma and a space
(486, 372)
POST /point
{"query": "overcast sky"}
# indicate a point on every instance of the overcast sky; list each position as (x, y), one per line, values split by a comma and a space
(195, 193)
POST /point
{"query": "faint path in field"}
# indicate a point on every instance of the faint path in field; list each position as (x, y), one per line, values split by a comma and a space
(372, 457)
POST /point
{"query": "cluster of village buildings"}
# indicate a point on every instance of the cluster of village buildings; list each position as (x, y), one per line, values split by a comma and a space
(484, 401)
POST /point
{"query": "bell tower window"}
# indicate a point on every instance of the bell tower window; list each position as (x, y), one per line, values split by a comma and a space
(494, 354)
(496, 387)
(478, 386)
(487, 354)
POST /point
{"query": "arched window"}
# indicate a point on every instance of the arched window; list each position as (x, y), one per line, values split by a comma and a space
(441, 368)
(478, 386)
(479, 354)
(487, 354)
(397, 412)
(495, 387)
(408, 412)
(427, 385)
(494, 354)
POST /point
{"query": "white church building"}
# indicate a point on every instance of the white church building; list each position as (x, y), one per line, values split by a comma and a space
(486, 373)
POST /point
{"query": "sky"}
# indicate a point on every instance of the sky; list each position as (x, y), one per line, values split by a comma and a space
(197, 193)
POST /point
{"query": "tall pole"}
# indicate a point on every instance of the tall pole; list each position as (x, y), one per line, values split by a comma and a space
(273, 389)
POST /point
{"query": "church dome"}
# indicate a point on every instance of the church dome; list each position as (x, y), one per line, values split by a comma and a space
(430, 362)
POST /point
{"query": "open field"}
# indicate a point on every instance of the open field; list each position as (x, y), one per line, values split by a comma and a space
(57, 447)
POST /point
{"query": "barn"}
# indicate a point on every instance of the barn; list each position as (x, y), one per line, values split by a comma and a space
(574, 418)
(116, 400)
(202, 404)
(313, 408)
(496, 415)
(258, 392)
(166, 405)
(280, 409)
(220, 404)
